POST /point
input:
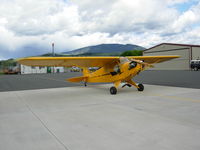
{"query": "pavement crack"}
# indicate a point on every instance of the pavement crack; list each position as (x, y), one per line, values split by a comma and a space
(42, 122)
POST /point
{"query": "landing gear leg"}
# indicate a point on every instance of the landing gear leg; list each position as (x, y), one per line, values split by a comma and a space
(140, 87)
(129, 85)
(113, 89)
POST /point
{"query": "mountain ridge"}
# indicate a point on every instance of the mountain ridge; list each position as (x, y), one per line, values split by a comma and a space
(104, 48)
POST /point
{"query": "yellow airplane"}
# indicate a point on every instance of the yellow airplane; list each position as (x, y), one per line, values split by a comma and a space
(110, 69)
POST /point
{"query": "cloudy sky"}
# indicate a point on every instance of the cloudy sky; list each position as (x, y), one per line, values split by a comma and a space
(28, 27)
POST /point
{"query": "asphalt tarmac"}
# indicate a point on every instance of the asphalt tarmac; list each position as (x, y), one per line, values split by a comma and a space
(176, 78)
(188, 79)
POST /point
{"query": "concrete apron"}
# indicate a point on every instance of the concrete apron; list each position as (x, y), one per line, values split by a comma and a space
(89, 118)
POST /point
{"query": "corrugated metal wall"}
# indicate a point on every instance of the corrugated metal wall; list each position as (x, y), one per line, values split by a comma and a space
(195, 52)
(181, 63)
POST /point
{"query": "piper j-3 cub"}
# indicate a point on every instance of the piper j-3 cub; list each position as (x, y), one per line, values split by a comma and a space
(110, 69)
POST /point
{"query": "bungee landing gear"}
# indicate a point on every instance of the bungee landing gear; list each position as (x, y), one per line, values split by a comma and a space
(130, 83)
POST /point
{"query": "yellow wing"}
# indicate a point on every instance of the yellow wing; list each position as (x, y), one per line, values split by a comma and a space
(87, 61)
(69, 61)
(153, 59)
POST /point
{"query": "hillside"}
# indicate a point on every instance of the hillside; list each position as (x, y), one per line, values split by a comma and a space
(104, 49)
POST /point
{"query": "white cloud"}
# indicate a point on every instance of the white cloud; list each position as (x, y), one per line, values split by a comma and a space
(187, 19)
(75, 23)
(172, 2)
(125, 16)
(40, 17)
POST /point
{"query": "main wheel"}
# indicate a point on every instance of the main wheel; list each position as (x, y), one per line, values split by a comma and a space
(113, 90)
(141, 87)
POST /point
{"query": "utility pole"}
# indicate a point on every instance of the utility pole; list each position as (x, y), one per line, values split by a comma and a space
(53, 54)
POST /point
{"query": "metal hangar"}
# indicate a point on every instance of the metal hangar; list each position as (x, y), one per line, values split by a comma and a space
(187, 52)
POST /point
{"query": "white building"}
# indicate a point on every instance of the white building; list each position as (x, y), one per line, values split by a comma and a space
(31, 70)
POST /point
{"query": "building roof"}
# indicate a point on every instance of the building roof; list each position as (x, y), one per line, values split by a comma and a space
(188, 45)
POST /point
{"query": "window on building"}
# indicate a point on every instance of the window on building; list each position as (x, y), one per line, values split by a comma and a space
(41, 67)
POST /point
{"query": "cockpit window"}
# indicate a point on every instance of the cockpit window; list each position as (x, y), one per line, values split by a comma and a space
(132, 65)
(117, 69)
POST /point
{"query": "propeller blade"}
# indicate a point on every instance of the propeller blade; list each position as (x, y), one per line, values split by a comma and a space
(125, 59)
(143, 63)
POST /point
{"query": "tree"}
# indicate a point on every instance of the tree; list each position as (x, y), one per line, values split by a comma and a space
(132, 53)
(8, 63)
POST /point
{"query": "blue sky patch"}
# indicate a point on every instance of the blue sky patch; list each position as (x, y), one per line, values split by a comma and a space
(183, 7)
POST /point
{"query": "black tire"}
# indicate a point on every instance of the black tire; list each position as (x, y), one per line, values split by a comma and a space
(141, 87)
(113, 90)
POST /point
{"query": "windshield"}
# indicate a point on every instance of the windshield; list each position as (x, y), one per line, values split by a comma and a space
(195, 62)
(132, 64)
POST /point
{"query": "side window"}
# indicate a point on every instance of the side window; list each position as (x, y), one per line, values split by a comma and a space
(117, 69)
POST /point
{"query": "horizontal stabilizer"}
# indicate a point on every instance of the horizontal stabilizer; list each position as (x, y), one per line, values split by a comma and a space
(77, 79)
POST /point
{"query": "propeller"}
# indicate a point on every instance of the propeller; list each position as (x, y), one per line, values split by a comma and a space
(143, 63)
(125, 59)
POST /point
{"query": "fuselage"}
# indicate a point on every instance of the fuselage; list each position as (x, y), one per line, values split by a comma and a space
(125, 72)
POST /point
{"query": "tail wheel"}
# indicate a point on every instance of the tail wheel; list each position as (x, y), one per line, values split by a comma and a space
(113, 90)
(141, 87)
